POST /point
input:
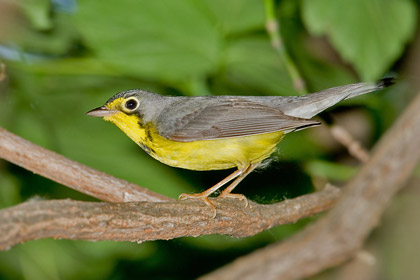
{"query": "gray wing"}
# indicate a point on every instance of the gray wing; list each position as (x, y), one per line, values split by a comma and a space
(231, 117)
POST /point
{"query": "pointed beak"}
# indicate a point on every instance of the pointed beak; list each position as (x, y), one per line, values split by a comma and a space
(101, 112)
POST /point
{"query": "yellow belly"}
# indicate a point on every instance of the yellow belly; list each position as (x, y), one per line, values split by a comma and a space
(200, 155)
(215, 154)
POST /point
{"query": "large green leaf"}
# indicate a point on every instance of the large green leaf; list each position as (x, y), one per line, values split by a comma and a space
(169, 41)
(236, 16)
(165, 40)
(252, 65)
(370, 34)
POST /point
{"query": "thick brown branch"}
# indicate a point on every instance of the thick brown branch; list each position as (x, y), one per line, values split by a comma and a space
(141, 221)
(70, 173)
(340, 234)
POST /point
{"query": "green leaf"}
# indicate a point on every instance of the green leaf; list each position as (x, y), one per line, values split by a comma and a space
(165, 40)
(251, 63)
(370, 34)
(236, 16)
(176, 42)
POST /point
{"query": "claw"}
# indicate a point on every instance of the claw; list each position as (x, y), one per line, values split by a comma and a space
(235, 196)
(201, 196)
(238, 174)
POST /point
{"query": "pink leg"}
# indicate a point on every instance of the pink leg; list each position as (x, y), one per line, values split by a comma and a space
(227, 191)
(239, 174)
(205, 195)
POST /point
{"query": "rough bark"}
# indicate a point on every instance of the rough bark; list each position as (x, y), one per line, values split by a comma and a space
(141, 221)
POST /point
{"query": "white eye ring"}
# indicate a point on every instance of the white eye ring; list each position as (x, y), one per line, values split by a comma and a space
(131, 104)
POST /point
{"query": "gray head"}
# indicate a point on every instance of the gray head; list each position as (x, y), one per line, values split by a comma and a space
(144, 104)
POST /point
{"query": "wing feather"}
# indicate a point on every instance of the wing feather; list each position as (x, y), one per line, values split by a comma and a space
(234, 117)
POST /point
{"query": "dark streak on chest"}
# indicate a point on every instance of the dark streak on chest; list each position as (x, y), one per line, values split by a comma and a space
(149, 138)
(147, 149)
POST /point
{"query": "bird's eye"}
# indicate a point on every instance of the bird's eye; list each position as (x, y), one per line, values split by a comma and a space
(131, 104)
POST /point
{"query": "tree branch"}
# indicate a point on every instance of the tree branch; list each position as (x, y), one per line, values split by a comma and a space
(340, 234)
(141, 221)
(353, 146)
(70, 173)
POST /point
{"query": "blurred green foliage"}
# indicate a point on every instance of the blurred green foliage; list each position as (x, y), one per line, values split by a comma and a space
(65, 57)
(378, 26)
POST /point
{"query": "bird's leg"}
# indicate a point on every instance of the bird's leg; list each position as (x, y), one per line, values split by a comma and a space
(205, 195)
(227, 192)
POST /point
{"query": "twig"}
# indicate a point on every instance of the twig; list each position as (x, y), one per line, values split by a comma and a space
(141, 221)
(340, 234)
(347, 140)
(273, 31)
(70, 173)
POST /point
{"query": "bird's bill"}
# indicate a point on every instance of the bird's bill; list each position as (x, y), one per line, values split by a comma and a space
(101, 112)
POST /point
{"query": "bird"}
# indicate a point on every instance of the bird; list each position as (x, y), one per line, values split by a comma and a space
(219, 132)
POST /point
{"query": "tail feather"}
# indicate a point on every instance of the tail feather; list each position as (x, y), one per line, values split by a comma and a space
(309, 105)
(386, 82)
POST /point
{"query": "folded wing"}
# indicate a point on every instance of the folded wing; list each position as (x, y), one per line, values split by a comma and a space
(233, 117)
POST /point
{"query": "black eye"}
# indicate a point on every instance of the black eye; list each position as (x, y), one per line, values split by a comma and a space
(131, 104)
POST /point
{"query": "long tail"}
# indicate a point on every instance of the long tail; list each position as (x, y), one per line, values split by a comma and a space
(309, 105)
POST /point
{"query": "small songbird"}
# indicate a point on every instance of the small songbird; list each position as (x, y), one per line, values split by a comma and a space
(219, 132)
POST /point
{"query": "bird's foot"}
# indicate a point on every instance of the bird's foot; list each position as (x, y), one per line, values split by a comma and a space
(202, 196)
(235, 196)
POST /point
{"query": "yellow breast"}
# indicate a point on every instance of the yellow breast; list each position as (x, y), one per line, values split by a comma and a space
(198, 155)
